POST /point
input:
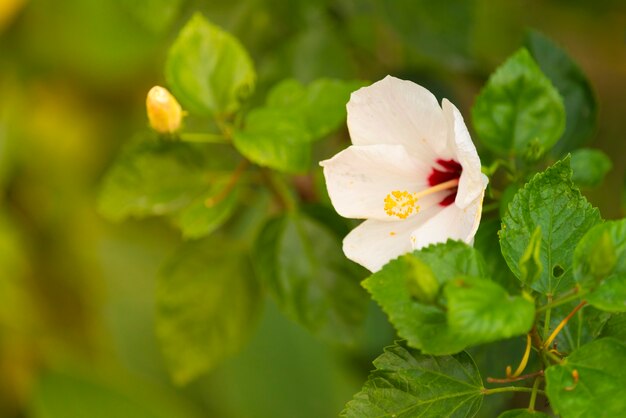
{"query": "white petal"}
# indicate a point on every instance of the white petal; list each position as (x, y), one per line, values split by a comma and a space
(374, 243)
(360, 177)
(394, 111)
(472, 182)
(452, 222)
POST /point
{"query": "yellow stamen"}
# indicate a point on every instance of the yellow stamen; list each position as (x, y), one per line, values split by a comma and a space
(402, 203)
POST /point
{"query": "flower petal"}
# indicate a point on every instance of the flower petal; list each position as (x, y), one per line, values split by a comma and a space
(374, 243)
(452, 222)
(394, 111)
(472, 182)
(360, 177)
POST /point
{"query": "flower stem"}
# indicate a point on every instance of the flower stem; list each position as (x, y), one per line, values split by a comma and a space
(533, 394)
(562, 324)
(575, 293)
(515, 378)
(524, 362)
(486, 391)
(232, 181)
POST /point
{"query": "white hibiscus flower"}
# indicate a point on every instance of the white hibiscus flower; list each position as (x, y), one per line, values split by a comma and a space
(412, 172)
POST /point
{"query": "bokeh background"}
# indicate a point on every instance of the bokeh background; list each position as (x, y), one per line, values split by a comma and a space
(77, 292)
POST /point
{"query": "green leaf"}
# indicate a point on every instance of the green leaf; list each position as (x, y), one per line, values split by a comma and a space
(496, 267)
(275, 139)
(481, 311)
(522, 413)
(208, 212)
(590, 166)
(322, 103)
(581, 329)
(424, 326)
(208, 70)
(278, 135)
(616, 327)
(421, 281)
(156, 177)
(303, 266)
(530, 264)
(207, 303)
(519, 112)
(600, 265)
(549, 200)
(409, 384)
(571, 83)
(599, 391)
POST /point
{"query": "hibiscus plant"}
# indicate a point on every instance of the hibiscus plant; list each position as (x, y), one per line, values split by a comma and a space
(500, 279)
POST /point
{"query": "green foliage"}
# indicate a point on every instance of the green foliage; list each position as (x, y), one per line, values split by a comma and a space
(161, 177)
(301, 263)
(550, 201)
(208, 70)
(600, 265)
(480, 311)
(598, 390)
(278, 135)
(530, 265)
(407, 383)
(519, 112)
(615, 327)
(207, 303)
(590, 166)
(573, 86)
(424, 326)
(522, 413)
(208, 212)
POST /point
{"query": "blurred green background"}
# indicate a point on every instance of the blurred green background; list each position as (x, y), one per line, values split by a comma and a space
(77, 292)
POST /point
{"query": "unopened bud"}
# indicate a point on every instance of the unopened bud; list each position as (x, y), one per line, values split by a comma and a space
(164, 112)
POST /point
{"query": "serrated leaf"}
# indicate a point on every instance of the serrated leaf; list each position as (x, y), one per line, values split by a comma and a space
(157, 177)
(599, 391)
(302, 265)
(207, 301)
(590, 166)
(408, 384)
(551, 201)
(600, 265)
(522, 413)
(278, 135)
(572, 84)
(481, 311)
(424, 326)
(208, 69)
(204, 215)
(519, 112)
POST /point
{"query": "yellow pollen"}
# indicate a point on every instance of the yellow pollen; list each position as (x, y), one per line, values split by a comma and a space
(401, 204)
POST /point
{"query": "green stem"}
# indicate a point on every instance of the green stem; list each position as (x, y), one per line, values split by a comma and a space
(281, 190)
(565, 298)
(546, 321)
(486, 391)
(206, 138)
(552, 357)
(533, 394)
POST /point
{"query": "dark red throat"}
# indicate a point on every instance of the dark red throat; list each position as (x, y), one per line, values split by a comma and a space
(447, 170)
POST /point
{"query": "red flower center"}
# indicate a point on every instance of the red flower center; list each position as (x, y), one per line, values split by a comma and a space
(447, 170)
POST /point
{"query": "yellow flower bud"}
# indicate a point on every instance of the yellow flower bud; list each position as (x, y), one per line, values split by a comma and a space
(164, 112)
